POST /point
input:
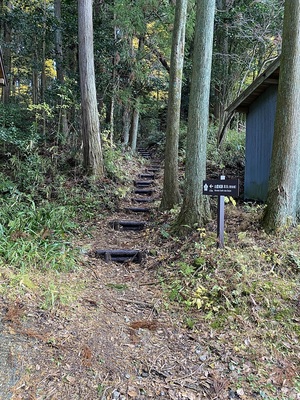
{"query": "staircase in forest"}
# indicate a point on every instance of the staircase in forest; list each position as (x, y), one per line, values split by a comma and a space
(144, 192)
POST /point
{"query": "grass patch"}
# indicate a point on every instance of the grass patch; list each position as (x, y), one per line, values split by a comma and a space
(246, 295)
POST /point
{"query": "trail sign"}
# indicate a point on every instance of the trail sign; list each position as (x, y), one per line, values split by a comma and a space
(221, 187)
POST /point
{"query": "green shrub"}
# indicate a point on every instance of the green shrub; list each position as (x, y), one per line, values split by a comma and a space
(229, 154)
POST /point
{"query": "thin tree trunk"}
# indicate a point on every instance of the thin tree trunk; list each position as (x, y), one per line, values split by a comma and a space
(171, 195)
(134, 127)
(63, 121)
(35, 86)
(7, 29)
(126, 125)
(92, 151)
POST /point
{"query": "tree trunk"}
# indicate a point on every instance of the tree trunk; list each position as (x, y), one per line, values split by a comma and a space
(195, 208)
(35, 86)
(126, 125)
(134, 126)
(92, 151)
(171, 195)
(282, 204)
(7, 29)
(63, 121)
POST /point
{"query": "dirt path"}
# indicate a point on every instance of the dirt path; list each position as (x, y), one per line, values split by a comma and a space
(119, 338)
(117, 341)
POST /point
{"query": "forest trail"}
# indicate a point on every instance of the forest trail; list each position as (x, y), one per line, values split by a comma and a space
(111, 331)
(117, 340)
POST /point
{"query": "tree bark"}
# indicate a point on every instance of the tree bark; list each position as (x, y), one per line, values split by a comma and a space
(126, 124)
(63, 120)
(92, 151)
(195, 207)
(171, 195)
(282, 204)
(134, 126)
(6, 50)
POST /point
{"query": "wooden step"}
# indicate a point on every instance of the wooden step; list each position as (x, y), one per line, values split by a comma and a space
(153, 169)
(138, 209)
(147, 176)
(141, 184)
(144, 192)
(143, 200)
(121, 256)
(127, 225)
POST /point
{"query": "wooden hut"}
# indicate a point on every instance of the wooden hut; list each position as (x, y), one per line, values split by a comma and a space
(258, 101)
(3, 80)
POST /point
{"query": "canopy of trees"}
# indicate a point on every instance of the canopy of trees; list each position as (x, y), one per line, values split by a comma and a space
(134, 62)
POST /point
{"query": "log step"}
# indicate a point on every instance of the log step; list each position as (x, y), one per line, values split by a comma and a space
(143, 200)
(138, 209)
(140, 184)
(147, 176)
(144, 192)
(153, 169)
(145, 154)
(121, 256)
(127, 225)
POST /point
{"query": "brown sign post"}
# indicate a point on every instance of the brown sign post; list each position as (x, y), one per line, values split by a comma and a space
(221, 187)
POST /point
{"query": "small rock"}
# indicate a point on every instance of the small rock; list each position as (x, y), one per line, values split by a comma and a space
(203, 357)
(116, 395)
(231, 367)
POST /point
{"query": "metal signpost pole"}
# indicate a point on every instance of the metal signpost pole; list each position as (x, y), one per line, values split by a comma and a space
(220, 221)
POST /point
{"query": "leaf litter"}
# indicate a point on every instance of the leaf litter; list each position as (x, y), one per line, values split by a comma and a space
(131, 330)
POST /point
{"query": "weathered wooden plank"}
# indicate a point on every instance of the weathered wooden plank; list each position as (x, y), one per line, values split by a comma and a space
(138, 209)
(128, 225)
(147, 192)
(120, 255)
(141, 184)
(147, 176)
(143, 200)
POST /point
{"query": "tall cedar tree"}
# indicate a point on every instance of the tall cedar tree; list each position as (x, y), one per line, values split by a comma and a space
(92, 151)
(171, 195)
(283, 189)
(195, 207)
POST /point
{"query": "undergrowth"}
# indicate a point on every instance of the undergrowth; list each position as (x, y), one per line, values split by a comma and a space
(248, 291)
(45, 203)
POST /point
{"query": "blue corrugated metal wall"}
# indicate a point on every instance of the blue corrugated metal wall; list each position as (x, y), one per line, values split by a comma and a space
(259, 139)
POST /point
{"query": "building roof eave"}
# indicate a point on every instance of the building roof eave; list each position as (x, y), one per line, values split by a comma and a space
(269, 77)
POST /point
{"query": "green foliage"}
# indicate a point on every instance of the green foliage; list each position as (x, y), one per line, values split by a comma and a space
(114, 158)
(35, 236)
(231, 152)
(15, 129)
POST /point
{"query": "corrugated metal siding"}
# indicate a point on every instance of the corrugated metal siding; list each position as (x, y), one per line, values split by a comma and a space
(259, 139)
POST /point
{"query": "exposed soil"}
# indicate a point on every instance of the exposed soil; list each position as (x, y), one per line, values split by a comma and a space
(118, 339)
